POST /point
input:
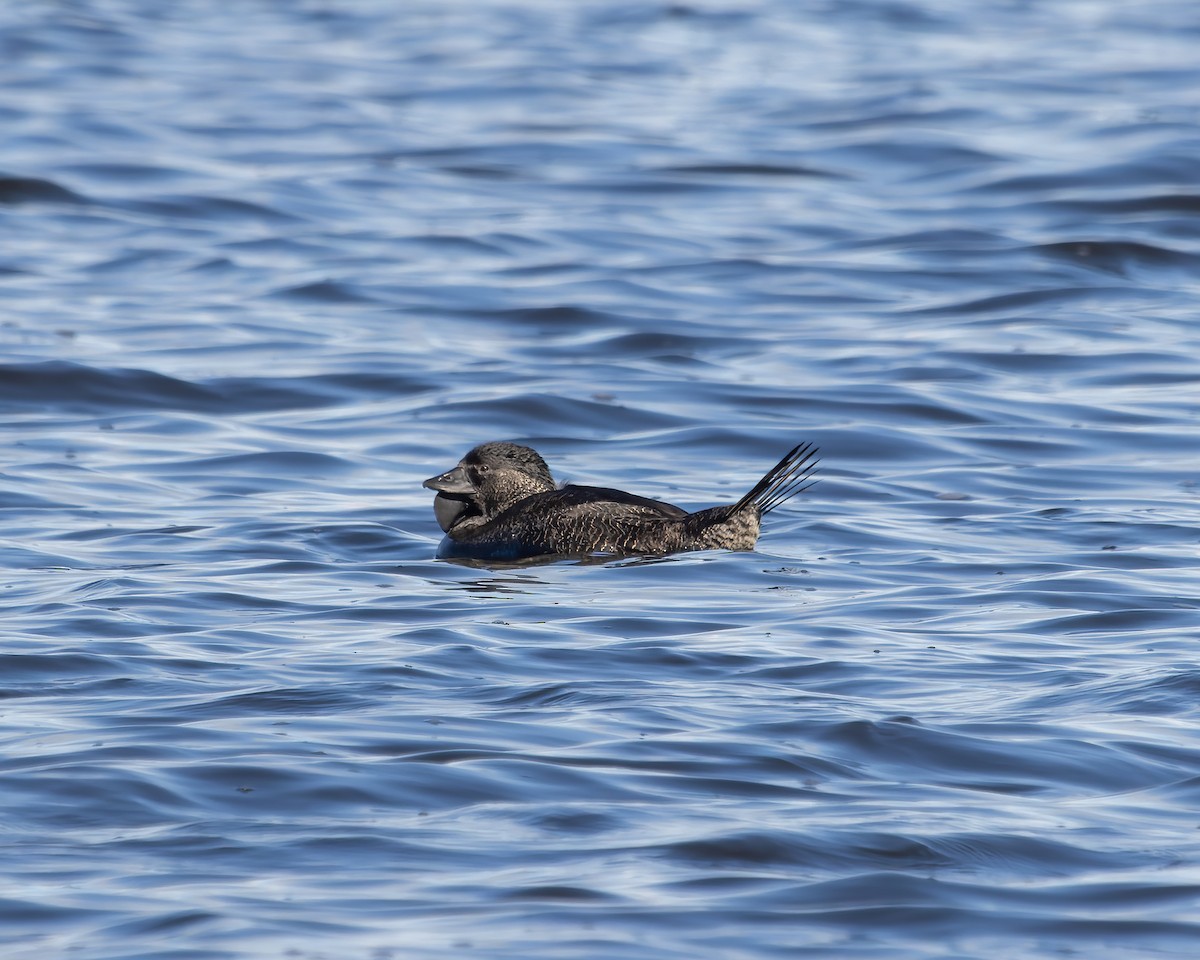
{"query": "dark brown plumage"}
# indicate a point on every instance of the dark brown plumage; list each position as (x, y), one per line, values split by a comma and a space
(500, 504)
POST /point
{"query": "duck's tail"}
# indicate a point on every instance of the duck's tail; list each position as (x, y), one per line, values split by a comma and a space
(790, 476)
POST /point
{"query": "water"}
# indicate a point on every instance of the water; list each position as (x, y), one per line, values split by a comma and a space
(266, 266)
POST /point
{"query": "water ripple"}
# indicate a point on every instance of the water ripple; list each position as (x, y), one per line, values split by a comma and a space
(274, 269)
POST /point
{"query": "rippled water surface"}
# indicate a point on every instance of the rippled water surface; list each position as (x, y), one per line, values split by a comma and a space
(265, 266)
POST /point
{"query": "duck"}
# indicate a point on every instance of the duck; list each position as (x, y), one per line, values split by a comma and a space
(500, 504)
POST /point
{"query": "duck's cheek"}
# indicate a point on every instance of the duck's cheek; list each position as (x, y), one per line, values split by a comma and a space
(447, 510)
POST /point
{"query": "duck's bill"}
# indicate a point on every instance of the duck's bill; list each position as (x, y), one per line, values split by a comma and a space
(447, 510)
(452, 481)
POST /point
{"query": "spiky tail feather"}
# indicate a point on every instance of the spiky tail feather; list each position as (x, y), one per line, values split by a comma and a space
(790, 476)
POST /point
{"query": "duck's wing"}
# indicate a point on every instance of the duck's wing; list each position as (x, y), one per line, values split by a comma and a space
(572, 521)
(607, 502)
(599, 520)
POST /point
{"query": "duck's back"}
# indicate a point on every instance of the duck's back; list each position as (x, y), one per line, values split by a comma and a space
(572, 521)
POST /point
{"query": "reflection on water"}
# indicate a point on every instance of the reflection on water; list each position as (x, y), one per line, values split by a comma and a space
(496, 585)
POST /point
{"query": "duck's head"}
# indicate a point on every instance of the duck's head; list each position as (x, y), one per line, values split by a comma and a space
(487, 481)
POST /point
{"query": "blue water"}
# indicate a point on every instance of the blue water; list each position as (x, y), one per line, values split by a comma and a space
(265, 266)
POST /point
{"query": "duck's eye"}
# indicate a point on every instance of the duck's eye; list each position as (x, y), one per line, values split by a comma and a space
(482, 469)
